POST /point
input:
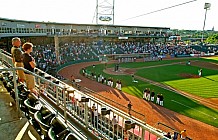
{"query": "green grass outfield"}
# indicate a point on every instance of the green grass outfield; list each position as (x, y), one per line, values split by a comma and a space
(206, 86)
(212, 59)
(215, 58)
(172, 101)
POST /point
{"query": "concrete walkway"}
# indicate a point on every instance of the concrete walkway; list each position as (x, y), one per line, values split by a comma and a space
(12, 125)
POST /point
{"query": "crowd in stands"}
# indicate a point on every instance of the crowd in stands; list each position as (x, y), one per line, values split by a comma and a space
(45, 54)
(75, 51)
(206, 48)
(155, 49)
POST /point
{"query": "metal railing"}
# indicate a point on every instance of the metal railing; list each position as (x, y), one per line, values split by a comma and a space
(91, 113)
(42, 101)
(112, 102)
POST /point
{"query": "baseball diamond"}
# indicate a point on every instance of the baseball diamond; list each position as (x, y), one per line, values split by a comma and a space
(189, 104)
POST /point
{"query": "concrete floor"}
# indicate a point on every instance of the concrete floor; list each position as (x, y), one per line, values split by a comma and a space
(11, 123)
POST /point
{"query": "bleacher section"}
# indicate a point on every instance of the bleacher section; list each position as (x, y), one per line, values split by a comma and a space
(206, 48)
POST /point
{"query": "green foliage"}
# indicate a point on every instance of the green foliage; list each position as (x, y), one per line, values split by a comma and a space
(213, 39)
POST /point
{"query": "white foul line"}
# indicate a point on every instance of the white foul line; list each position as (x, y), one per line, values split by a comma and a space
(31, 136)
(194, 109)
(22, 131)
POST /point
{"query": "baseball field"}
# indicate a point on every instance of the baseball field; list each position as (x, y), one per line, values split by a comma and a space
(184, 91)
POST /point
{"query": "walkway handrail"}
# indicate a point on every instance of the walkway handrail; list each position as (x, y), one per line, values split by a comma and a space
(34, 74)
(91, 91)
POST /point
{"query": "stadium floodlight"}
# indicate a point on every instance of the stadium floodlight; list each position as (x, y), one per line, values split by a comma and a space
(104, 12)
(206, 7)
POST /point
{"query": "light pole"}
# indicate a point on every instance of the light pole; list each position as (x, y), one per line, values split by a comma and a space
(206, 7)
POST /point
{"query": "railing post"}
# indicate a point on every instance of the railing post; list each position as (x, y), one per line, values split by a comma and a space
(112, 125)
(1, 55)
(122, 127)
(16, 92)
(143, 133)
(86, 114)
(149, 135)
(39, 83)
(139, 133)
(65, 108)
(118, 125)
(133, 132)
(57, 98)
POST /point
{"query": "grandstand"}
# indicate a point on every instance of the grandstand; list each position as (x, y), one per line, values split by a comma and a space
(78, 43)
(67, 120)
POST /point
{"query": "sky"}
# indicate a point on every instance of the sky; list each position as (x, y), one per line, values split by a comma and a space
(188, 16)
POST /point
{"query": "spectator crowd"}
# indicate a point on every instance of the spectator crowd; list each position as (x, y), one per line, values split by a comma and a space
(47, 60)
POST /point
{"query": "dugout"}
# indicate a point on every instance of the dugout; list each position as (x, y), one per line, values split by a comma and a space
(175, 134)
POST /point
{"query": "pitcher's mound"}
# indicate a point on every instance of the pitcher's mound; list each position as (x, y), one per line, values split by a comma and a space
(121, 71)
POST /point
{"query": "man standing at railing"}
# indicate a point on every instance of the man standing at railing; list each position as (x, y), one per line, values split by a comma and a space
(17, 58)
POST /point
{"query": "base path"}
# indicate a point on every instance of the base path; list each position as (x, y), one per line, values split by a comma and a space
(152, 112)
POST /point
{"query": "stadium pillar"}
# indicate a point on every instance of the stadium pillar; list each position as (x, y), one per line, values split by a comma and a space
(165, 40)
(153, 40)
(8, 44)
(56, 40)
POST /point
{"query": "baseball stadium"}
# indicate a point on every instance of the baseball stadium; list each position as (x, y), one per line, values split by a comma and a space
(106, 82)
